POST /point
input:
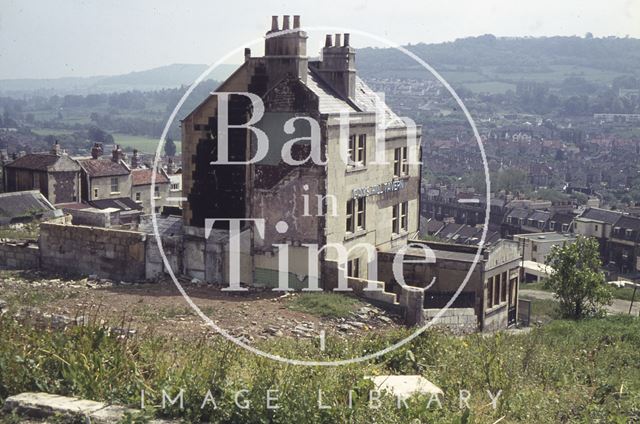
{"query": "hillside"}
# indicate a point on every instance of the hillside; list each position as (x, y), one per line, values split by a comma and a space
(489, 63)
(170, 76)
(482, 64)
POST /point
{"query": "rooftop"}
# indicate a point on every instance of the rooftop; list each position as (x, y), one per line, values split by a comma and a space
(104, 167)
(35, 161)
(143, 177)
(21, 204)
(546, 237)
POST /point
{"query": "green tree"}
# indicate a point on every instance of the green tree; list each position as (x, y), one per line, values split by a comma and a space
(169, 147)
(576, 280)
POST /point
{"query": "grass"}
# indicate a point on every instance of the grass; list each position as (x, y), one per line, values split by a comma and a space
(324, 304)
(567, 371)
(622, 293)
(543, 310)
(29, 231)
(143, 144)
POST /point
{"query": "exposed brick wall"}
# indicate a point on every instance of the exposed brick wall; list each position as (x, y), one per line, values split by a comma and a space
(114, 254)
(19, 255)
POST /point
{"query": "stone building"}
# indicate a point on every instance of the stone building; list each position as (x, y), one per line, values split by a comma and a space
(54, 174)
(141, 189)
(343, 202)
(105, 178)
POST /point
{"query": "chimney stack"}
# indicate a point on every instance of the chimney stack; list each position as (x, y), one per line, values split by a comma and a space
(134, 159)
(170, 167)
(338, 65)
(55, 149)
(96, 150)
(247, 54)
(285, 50)
(117, 154)
(327, 41)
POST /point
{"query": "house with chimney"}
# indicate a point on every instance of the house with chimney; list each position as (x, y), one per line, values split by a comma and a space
(349, 202)
(54, 174)
(141, 191)
(105, 178)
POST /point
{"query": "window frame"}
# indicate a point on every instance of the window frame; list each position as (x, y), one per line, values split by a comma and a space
(115, 180)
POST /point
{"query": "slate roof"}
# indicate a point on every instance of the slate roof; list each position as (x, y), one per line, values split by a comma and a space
(433, 226)
(628, 223)
(143, 177)
(23, 204)
(539, 215)
(103, 168)
(122, 203)
(519, 213)
(34, 161)
(603, 215)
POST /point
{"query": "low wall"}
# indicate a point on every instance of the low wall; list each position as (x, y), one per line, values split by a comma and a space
(453, 317)
(19, 255)
(114, 254)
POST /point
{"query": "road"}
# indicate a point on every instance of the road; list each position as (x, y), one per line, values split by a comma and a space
(617, 307)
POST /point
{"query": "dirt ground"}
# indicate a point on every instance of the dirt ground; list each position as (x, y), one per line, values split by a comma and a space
(161, 309)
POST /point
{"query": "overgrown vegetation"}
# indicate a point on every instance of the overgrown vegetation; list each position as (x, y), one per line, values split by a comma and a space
(567, 371)
(324, 304)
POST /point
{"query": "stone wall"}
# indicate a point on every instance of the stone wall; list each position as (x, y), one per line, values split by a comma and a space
(19, 255)
(462, 318)
(115, 254)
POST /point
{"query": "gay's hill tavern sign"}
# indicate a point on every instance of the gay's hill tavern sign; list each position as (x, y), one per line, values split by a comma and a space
(376, 189)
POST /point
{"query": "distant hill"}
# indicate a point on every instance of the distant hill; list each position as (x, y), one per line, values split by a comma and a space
(169, 76)
(489, 63)
(481, 64)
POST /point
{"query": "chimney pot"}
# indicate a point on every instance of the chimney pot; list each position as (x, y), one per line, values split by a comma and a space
(337, 40)
(346, 39)
(274, 23)
(328, 42)
(296, 21)
(285, 22)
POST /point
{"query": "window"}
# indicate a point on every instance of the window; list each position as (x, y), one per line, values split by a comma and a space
(356, 214)
(490, 292)
(565, 228)
(156, 191)
(353, 268)
(95, 193)
(137, 196)
(552, 225)
(115, 185)
(357, 150)
(399, 221)
(175, 186)
(496, 289)
(400, 163)
(596, 227)
(503, 287)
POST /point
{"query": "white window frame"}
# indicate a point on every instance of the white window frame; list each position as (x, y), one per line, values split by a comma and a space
(115, 180)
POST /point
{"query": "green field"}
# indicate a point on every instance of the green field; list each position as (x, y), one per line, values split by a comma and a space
(143, 144)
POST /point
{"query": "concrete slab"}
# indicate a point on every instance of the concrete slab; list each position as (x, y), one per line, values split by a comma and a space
(111, 414)
(43, 405)
(404, 385)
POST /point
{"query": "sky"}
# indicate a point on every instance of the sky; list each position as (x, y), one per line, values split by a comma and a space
(67, 38)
